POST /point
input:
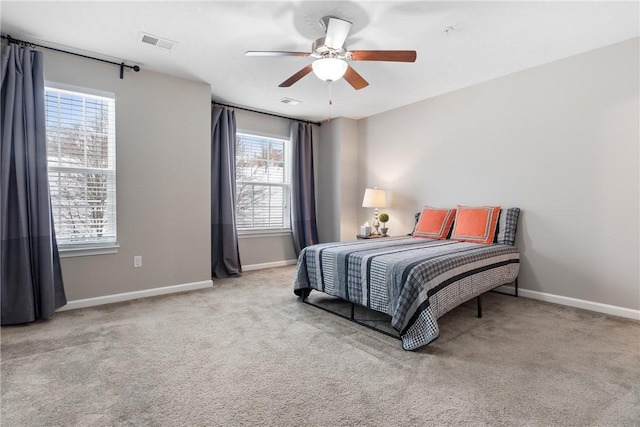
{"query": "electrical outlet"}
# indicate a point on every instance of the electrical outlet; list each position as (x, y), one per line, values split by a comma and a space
(137, 261)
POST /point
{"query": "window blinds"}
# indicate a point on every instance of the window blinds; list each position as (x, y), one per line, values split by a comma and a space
(82, 169)
(262, 183)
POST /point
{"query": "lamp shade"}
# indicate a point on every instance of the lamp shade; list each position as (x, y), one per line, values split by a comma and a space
(329, 69)
(374, 198)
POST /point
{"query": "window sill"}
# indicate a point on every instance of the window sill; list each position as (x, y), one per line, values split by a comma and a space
(250, 234)
(70, 252)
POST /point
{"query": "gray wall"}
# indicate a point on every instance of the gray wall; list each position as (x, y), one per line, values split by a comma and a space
(559, 141)
(163, 190)
(328, 187)
(337, 183)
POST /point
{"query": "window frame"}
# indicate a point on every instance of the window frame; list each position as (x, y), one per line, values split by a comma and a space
(110, 246)
(270, 232)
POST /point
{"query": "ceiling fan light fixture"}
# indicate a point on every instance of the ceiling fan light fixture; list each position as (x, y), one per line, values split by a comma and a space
(329, 69)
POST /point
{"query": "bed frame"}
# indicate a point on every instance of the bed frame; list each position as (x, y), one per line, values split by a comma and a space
(305, 294)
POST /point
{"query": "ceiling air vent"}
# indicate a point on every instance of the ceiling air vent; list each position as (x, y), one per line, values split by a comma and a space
(289, 101)
(156, 41)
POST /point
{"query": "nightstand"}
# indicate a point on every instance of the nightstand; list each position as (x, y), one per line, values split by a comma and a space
(370, 237)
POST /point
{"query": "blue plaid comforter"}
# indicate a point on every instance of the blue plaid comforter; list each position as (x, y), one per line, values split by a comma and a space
(414, 280)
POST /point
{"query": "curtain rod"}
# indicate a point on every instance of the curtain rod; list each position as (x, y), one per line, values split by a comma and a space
(122, 65)
(263, 112)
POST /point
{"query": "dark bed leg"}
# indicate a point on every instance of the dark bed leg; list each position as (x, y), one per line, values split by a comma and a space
(304, 293)
(479, 307)
(514, 294)
(353, 309)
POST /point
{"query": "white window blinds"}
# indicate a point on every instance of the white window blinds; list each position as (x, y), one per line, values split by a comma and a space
(81, 151)
(262, 183)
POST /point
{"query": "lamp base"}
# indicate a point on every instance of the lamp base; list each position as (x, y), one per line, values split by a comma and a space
(376, 225)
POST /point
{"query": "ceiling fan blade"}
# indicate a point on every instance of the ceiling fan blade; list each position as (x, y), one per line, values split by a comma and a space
(337, 32)
(383, 55)
(274, 53)
(354, 79)
(297, 76)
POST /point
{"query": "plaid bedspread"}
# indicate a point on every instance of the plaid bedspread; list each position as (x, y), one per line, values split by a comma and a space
(412, 279)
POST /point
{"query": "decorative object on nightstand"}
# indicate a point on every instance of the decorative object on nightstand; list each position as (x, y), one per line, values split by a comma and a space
(375, 198)
(365, 229)
(384, 218)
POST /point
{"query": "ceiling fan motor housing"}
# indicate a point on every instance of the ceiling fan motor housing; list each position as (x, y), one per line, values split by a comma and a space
(321, 50)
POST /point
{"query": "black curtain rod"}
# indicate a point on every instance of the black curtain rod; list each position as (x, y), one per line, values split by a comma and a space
(122, 65)
(263, 112)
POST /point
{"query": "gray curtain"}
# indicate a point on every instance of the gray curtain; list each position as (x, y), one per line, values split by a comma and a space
(30, 274)
(225, 256)
(303, 207)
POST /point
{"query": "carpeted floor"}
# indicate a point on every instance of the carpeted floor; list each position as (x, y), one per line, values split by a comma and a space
(247, 352)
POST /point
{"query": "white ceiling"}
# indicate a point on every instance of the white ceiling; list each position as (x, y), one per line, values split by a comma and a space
(489, 39)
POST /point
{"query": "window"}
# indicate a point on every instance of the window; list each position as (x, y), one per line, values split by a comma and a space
(262, 183)
(81, 151)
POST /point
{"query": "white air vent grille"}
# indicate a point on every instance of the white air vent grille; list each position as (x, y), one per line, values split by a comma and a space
(290, 101)
(156, 41)
(149, 40)
(165, 44)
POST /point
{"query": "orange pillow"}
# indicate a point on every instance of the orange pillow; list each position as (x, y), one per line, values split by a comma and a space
(475, 224)
(434, 223)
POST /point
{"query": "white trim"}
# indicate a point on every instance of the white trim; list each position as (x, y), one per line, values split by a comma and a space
(614, 310)
(248, 234)
(79, 90)
(128, 296)
(269, 265)
(68, 252)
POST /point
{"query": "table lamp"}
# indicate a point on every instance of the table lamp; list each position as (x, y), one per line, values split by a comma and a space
(375, 198)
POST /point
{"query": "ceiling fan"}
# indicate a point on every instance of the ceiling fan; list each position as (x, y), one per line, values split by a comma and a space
(330, 53)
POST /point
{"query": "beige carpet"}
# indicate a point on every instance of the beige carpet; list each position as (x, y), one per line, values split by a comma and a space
(247, 352)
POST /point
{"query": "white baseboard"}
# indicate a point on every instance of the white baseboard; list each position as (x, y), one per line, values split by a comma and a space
(541, 296)
(127, 296)
(269, 265)
(614, 310)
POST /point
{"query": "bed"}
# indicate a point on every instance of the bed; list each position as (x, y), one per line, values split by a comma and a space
(415, 280)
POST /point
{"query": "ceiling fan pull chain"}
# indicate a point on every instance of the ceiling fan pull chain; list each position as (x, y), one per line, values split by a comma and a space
(330, 101)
